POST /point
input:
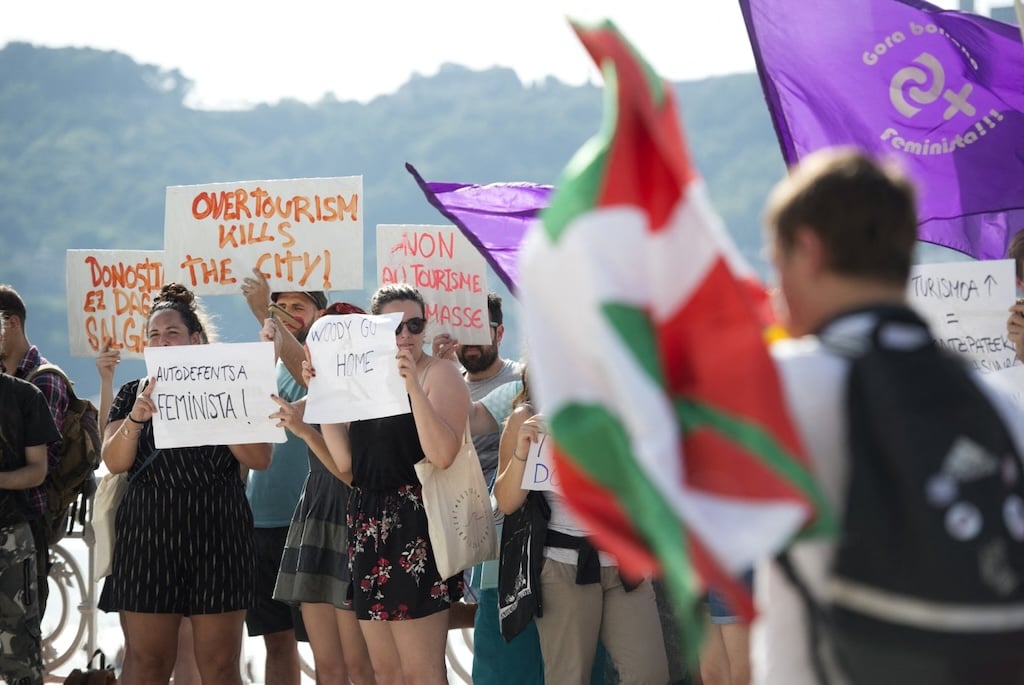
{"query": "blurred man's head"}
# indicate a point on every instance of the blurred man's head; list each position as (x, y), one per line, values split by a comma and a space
(841, 231)
(14, 342)
(477, 359)
(301, 310)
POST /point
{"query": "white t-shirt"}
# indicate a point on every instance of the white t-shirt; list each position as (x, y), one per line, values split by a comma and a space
(814, 382)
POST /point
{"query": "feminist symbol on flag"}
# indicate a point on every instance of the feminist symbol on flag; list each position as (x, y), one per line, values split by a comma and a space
(957, 100)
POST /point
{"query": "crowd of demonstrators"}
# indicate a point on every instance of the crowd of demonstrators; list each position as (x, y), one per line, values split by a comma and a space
(21, 358)
(324, 538)
(184, 528)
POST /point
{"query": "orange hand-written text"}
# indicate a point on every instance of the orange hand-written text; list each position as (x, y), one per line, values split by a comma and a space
(238, 204)
(298, 268)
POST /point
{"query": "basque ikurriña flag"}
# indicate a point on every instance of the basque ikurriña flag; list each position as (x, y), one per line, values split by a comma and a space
(941, 91)
(646, 352)
(494, 217)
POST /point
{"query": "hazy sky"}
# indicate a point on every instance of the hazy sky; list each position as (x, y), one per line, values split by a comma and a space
(241, 53)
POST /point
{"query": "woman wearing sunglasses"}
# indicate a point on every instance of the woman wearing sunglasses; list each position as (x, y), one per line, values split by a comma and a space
(401, 601)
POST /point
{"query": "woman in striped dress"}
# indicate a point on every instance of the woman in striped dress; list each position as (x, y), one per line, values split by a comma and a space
(184, 528)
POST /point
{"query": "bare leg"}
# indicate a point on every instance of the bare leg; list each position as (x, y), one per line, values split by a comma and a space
(357, 656)
(186, 671)
(153, 646)
(218, 647)
(282, 664)
(325, 641)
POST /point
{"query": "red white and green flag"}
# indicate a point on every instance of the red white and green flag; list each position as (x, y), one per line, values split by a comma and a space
(648, 355)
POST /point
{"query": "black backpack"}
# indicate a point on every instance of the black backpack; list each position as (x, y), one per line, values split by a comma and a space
(927, 583)
(69, 487)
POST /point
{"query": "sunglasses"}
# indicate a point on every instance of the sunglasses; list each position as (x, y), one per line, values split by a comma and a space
(415, 326)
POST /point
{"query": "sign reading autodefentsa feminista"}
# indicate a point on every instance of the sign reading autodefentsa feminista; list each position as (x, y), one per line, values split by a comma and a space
(939, 92)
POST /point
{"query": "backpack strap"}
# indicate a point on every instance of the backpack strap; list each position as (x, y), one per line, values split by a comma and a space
(815, 617)
(57, 371)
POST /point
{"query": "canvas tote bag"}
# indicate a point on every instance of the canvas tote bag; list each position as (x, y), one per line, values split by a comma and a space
(105, 502)
(459, 515)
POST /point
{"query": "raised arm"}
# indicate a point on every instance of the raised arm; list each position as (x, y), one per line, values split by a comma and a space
(290, 417)
(286, 347)
(440, 406)
(121, 436)
(522, 428)
(106, 364)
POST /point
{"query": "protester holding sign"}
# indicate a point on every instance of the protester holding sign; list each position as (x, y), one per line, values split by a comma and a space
(583, 597)
(401, 601)
(313, 570)
(184, 529)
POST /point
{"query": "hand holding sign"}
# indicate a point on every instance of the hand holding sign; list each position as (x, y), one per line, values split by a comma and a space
(444, 346)
(539, 472)
(351, 371)
(144, 407)
(106, 363)
(257, 293)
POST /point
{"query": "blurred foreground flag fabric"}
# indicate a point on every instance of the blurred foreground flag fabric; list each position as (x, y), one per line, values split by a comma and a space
(493, 217)
(646, 354)
(940, 91)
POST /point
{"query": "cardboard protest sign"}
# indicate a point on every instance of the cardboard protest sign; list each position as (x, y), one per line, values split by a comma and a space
(213, 394)
(539, 473)
(356, 371)
(109, 296)
(303, 234)
(965, 304)
(449, 272)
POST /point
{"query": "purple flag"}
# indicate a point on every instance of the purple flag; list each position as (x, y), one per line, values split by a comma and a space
(494, 217)
(940, 91)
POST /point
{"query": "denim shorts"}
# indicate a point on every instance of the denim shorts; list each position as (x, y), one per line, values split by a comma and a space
(721, 613)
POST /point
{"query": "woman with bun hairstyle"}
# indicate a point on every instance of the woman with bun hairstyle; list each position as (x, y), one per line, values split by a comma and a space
(184, 528)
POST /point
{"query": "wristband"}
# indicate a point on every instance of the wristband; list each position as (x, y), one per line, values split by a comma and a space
(132, 419)
(516, 456)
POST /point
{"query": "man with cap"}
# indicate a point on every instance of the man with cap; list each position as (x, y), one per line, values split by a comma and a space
(273, 493)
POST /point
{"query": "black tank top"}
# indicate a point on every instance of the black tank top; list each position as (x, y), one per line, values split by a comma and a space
(384, 451)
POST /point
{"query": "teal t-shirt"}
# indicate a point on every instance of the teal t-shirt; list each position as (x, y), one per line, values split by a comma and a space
(274, 492)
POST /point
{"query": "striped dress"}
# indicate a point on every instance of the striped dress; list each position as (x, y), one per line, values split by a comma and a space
(184, 531)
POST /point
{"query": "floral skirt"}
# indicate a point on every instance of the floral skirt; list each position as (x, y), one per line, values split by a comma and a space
(394, 577)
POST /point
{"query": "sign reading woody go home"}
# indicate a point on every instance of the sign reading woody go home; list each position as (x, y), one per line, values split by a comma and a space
(303, 234)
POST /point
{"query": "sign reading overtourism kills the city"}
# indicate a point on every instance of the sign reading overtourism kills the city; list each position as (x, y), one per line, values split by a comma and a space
(303, 234)
(965, 304)
(445, 267)
(109, 296)
(356, 370)
(213, 394)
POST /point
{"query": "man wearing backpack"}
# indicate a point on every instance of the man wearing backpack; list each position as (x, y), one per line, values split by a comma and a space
(26, 427)
(20, 358)
(920, 460)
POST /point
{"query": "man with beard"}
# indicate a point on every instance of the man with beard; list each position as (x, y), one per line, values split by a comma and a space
(484, 371)
(273, 493)
(493, 384)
